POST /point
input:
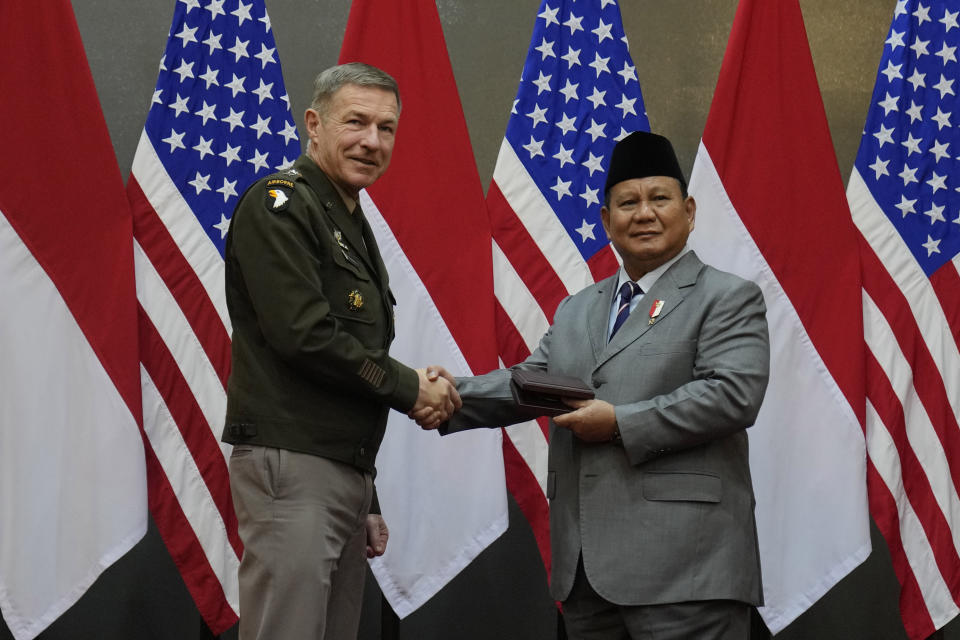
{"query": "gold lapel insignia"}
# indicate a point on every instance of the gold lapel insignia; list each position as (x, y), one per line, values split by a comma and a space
(355, 300)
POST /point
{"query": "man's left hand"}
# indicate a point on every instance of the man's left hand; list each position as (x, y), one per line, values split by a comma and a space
(377, 535)
(593, 421)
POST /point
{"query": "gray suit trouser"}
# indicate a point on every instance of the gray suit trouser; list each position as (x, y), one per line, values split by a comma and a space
(588, 616)
(302, 522)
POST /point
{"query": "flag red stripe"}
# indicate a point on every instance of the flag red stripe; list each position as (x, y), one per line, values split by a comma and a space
(511, 345)
(915, 482)
(523, 253)
(521, 481)
(946, 284)
(603, 264)
(525, 489)
(186, 413)
(514, 350)
(916, 618)
(926, 380)
(184, 547)
(181, 280)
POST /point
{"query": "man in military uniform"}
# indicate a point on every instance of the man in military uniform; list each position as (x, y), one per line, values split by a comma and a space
(312, 380)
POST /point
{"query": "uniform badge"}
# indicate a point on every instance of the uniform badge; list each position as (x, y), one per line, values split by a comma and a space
(338, 235)
(292, 172)
(355, 300)
(278, 193)
(279, 197)
(655, 310)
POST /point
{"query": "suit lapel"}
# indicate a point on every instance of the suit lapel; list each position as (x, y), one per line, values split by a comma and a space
(669, 289)
(598, 318)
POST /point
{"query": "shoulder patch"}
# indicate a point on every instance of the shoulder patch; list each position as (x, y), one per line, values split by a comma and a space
(277, 194)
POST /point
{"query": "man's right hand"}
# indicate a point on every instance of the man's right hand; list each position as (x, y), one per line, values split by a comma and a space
(437, 399)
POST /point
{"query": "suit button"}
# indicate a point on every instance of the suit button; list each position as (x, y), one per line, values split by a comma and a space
(363, 451)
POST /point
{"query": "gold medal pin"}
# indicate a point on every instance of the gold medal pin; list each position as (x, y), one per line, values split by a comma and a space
(355, 300)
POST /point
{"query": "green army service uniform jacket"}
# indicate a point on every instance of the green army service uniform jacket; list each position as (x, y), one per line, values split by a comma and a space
(312, 318)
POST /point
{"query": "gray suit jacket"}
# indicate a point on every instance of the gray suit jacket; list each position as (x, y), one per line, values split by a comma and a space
(668, 515)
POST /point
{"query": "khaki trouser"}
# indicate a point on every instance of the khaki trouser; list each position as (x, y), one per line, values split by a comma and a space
(302, 522)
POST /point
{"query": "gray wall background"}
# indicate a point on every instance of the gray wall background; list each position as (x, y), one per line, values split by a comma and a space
(677, 47)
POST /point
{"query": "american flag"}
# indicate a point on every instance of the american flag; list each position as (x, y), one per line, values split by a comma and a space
(579, 94)
(219, 118)
(904, 194)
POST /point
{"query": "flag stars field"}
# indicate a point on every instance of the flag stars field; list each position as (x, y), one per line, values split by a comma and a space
(572, 104)
(213, 42)
(204, 147)
(225, 81)
(210, 76)
(242, 12)
(207, 112)
(223, 226)
(586, 231)
(921, 135)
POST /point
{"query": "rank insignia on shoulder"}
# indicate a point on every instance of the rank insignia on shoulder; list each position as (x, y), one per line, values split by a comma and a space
(355, 300)
(292, 172)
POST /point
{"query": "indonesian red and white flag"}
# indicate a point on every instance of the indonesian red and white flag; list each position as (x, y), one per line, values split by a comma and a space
(904, 200)
(771, 208)
(443, 499)
(73, 492)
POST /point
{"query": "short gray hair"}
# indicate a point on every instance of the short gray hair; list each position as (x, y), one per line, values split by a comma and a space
(330, 81)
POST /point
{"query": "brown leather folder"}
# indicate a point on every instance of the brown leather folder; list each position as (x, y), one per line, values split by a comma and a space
(540, 394)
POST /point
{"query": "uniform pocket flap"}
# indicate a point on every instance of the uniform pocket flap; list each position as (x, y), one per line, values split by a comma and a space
(356, 317)
(694, 487)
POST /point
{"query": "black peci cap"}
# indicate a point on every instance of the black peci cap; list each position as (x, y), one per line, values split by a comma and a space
(642, 154)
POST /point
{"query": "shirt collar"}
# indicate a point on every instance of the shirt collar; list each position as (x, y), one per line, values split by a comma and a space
(650, 278)
(349, 203)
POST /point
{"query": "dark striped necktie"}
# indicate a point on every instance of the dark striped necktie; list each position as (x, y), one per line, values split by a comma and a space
(627, 290)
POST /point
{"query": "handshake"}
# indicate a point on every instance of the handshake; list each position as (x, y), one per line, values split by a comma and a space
(437, 398)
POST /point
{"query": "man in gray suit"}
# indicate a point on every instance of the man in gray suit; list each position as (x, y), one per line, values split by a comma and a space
(651, 504)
